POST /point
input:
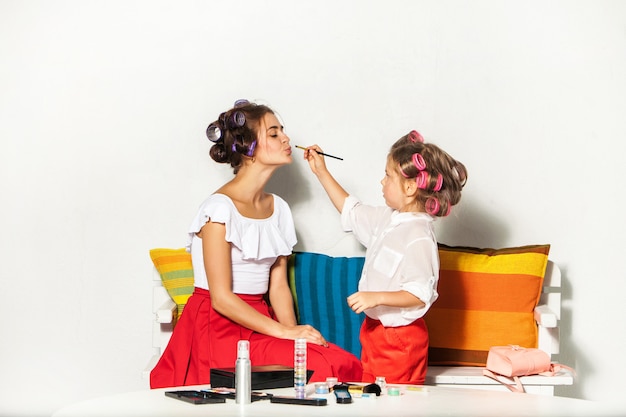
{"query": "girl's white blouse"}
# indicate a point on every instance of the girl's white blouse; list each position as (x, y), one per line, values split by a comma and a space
(401, 254)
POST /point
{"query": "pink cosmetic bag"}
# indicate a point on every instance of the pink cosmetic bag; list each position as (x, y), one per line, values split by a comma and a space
(514, 361)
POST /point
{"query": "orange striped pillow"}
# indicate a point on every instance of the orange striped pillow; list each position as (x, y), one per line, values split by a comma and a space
(486, 298)
(176, 270)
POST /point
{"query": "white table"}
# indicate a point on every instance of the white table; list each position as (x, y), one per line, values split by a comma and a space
(413, 401)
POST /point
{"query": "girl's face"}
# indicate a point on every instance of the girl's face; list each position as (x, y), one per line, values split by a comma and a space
(394, 186)
(273, 143)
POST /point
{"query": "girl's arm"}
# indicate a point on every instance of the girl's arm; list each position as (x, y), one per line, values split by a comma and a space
(362, 300)
(335, 191)
(217, 264)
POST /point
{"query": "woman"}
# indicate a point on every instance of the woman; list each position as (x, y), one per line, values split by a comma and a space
(240, 242)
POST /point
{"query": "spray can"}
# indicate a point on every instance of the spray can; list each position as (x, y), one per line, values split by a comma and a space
(243, 374)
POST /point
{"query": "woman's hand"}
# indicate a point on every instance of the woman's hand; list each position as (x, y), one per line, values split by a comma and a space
(305, 331)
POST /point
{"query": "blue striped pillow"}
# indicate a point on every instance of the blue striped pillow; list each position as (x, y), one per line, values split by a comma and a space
(322, 284)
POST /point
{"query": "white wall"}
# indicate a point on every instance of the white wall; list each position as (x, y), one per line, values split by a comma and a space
(103, 106)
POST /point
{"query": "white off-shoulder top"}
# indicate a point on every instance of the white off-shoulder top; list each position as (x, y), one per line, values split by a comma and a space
(255, 243)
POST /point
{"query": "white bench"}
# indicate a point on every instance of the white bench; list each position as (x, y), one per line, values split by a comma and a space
(547, 316)
(164, 310)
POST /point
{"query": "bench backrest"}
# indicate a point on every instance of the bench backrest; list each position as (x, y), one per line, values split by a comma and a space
(321, 284)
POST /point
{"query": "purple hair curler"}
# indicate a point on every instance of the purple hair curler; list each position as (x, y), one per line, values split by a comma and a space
(250, 148)
(237, 119)
(241, 102)
(213, 132)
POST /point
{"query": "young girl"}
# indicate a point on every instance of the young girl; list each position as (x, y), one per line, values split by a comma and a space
(399, 279)
(240, 241)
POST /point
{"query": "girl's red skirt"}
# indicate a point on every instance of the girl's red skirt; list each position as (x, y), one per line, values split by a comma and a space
(400, 354)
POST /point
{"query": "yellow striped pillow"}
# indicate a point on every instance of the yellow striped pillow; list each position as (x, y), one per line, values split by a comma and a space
(486, 298)
(176, 270)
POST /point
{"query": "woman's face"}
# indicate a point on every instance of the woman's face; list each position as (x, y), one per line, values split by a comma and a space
(273, 143)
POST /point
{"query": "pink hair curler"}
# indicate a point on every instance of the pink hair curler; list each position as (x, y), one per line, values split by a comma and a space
(432, 206)
(439, 183)
(402, 172)
(415, 137)
(422, 180)
(418, 161)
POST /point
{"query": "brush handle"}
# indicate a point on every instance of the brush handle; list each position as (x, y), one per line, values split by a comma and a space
(321, 153)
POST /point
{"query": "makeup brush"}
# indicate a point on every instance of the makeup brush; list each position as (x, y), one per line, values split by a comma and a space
(321, 153)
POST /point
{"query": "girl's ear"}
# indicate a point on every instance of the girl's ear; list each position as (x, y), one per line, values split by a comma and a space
(410, 187)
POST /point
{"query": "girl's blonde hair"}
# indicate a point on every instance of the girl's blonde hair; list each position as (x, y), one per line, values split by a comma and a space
(439, 177)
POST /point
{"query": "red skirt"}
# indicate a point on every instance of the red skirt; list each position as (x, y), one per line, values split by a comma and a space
(400, 354)
(205, 339)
